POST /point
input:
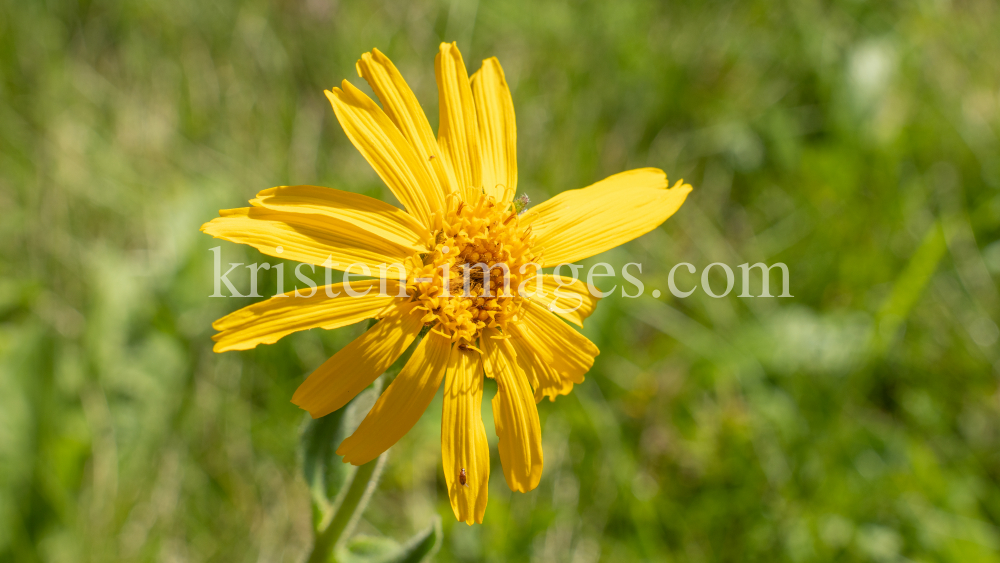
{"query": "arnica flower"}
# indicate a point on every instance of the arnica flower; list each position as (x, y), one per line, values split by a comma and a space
(458, 191)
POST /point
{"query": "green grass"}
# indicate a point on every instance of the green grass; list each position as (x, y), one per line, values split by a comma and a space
(856, 142)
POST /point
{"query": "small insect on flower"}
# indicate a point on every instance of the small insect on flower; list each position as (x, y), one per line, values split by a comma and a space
(463, 478)
(521, 203)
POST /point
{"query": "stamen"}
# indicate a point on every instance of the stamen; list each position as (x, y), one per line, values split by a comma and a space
(449, 286)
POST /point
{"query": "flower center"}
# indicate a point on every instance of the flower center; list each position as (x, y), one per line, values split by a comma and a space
(470, 279)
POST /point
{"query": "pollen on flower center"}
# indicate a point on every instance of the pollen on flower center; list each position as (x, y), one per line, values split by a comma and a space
(470, 279)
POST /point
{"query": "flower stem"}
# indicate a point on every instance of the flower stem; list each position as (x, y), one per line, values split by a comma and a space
(348, 511)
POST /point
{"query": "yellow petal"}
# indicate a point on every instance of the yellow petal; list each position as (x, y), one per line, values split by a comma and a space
(457, 130)
(354, 367)
(497, 130)
(401, 405)
(514, 414)
(383, 145)
(404, 110)
(268, 321)
(312, 239)
(561, 355)
(566, 297)
(577, 224)
(544, 379)
(463, 437)
(363, 212)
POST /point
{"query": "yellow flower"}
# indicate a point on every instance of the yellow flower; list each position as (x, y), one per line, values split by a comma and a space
(458, 192)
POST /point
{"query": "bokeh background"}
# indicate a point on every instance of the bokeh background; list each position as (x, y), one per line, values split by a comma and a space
(856, 142)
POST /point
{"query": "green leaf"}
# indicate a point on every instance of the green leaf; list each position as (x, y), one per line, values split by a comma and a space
(420, 547)
(321, 465)
(340, 492)
(324, 471)
(371, 548)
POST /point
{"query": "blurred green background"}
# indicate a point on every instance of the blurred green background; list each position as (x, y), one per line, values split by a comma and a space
(856, 142)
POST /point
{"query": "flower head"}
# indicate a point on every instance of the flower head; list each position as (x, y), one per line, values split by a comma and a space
(468, 263)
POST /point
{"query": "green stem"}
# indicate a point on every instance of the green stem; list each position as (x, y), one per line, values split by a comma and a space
(348, 511)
